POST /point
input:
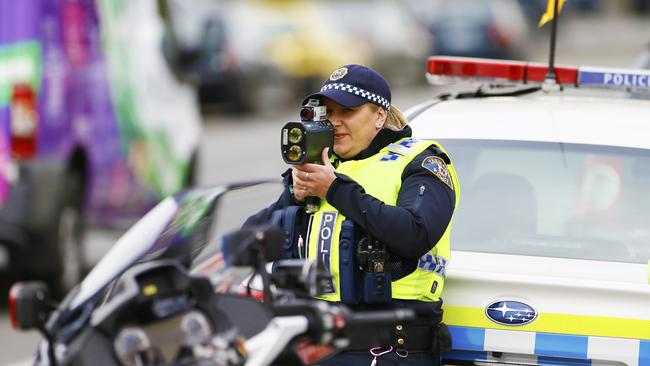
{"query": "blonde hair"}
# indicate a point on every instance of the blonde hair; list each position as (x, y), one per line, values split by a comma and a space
(395, 120)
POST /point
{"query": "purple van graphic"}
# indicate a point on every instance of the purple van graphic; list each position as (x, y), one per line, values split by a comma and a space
(95, 128)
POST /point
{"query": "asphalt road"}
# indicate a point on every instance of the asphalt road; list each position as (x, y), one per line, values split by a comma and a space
(236, 148)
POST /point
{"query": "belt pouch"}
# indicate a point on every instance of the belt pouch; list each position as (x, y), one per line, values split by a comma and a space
(441, 340)
(290, 219)
(349, 276)
(376, 287)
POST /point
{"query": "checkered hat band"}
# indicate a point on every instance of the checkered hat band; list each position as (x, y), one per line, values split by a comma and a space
(374, 98)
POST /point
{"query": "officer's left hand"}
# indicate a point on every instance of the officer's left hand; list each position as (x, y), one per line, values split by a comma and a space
(314, 179)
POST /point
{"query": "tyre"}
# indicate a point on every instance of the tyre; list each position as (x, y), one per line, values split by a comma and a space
(65, 239)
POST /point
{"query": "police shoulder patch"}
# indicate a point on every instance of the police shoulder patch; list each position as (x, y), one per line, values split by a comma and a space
(338, 73)
(437, 166)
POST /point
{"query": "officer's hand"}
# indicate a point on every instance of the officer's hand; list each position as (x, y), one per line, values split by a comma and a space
(298, 192)
(313, 179)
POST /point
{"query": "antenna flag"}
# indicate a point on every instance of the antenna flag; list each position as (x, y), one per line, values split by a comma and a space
(550, 12)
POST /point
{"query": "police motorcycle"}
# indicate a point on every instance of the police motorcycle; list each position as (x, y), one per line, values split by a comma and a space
(186, 285)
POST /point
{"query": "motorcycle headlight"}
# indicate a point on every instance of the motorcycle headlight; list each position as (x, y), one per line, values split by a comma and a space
(196, 328)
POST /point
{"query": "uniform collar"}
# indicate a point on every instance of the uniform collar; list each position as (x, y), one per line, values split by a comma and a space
(384, 137)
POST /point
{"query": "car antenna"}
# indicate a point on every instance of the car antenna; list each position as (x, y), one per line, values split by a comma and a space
(553, 7)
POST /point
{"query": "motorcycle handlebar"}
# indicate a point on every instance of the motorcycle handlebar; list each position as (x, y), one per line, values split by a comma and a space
(381, 317)
(364, 317)
(354, 322)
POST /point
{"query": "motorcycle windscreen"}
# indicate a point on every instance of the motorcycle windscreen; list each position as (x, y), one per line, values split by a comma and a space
(186, 227)
(234, 208)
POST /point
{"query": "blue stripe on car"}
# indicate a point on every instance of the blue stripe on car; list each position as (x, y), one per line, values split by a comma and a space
(561, 345)
(550, 349)
(644, 353)
(471, 339)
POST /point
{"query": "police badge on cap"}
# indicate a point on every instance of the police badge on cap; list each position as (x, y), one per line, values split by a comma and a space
(353, 85)
(339, 73)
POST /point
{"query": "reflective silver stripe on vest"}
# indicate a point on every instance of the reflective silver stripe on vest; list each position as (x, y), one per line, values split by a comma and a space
(328, 220)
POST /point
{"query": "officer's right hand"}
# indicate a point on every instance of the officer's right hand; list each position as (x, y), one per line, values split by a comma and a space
(313, 179)
(299, 192)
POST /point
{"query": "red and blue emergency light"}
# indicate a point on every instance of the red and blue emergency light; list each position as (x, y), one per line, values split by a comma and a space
(444, 68)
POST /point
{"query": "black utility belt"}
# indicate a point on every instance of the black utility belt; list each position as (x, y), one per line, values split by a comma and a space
(435, 339)
(428, 312)
(415, 338)
(425, 334)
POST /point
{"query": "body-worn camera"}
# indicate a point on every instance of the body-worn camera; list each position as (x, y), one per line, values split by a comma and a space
(373, 258)
(303, 142)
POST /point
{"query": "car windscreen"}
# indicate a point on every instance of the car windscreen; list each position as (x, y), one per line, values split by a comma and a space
(552, 199)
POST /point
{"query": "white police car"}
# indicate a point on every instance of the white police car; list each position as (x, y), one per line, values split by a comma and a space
(551, 240)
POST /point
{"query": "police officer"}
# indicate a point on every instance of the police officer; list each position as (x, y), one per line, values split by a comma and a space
(398, 192)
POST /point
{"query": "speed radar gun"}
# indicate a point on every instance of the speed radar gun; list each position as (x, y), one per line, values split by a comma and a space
(303, 142)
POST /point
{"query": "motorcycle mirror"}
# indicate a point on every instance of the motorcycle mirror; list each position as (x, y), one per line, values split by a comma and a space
(305, 277)
(320, 279)
(253, 245)
(292, 274)
(28, 305)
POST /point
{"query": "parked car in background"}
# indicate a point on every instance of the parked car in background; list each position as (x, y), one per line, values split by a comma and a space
(97, 126)
(260, 53)
(257, 54)
(287, 46)
(397, 43)
(475, 28)
(217, 73)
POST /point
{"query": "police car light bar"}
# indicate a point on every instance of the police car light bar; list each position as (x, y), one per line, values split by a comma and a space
(443, 68)
(475, 68)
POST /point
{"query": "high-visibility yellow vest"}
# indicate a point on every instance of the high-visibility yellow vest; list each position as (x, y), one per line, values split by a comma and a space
(381, 176)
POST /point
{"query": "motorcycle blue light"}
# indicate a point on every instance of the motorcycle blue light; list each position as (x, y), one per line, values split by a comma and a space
(133, 347)
(196, 328)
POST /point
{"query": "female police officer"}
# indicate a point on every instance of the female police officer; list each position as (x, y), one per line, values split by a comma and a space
(398, 192)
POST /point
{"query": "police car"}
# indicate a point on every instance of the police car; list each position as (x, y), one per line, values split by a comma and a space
(551, 240)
